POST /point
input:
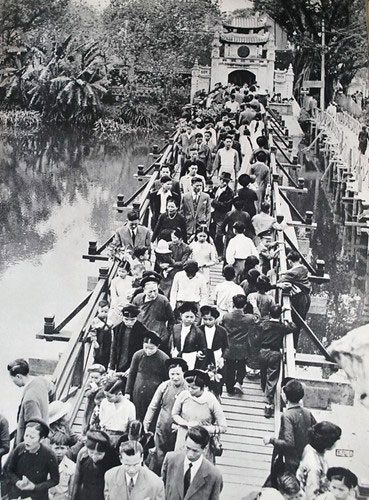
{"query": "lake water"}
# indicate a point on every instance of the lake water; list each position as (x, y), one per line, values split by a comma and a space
(57, 192)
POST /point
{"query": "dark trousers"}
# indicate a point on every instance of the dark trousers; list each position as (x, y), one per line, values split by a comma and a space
(301, 302)
(218, 237)
(235, 371)
(270, 365)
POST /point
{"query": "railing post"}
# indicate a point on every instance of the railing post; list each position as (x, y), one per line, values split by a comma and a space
(49, 324)
(166, 135)
(155, 150)
(120, 203)
(92, 249)
(320, 267)
(140, 172)
(309, 217)
(136, 206)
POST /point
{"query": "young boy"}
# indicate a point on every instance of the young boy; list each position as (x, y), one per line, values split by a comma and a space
(60, 444)
(272, 334)
(342, 484)
(94, 424)
(100, 334)
(94, 384)
(295, 424)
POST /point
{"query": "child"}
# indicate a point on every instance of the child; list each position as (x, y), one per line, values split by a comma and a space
(141, 256)
(267, 252)
(271, 343)
(116, 411)
(100, 335)
(60, 444)
(94, 384)
(295, 424)
(263, 300)
(342, 484)
(32, 464)
(120, 286)
(137, 271)
(204, 253)
(94, 423)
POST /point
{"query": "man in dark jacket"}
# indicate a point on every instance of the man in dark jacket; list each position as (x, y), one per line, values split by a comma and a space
(237, 325)
(271, 338)
(221, 204)
(296, 281)
(127, 339)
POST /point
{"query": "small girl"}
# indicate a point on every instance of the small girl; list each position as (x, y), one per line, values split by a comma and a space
(120, 286)
(204, 253)
(100, 334)
(94, 422)
(263, 300)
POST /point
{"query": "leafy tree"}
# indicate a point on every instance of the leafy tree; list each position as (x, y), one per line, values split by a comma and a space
(346, 43)
(163, 36)
(23, 15)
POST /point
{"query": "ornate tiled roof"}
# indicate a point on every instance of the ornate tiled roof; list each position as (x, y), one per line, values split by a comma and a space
(244, 38)
(247, 22)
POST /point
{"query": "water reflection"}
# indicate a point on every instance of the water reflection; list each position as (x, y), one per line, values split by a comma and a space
(57, 191)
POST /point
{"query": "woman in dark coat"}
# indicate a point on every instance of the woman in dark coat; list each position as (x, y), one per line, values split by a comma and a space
(32, 468)
(93, 461)
(146, 373)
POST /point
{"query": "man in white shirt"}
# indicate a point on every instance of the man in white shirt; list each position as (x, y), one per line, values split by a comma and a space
(227, 159)
(116, 411)
(263, 222)
(132, 480)
(190, 473)
(225, 291)
(189, 286)
(239, 248)
(232, 105)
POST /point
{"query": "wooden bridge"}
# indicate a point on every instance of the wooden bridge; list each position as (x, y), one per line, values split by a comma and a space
(245, 462)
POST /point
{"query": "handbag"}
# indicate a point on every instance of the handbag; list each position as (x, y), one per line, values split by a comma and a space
(215, 443)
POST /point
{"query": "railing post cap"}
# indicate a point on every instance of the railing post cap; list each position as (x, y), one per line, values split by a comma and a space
(103, 272)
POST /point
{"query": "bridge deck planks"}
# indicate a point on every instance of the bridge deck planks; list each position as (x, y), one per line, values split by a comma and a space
(245, 463)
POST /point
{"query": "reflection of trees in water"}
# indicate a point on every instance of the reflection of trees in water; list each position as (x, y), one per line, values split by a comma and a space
(41, 171)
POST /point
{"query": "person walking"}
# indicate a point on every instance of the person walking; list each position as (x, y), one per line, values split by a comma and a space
(293, 432)
(196, 207)
(162, 404)
(32, 467)
(221, 204)
(238, 325)
(146, 373)
(188, 474)
(198, 406)
(132, 480)
(35, 399)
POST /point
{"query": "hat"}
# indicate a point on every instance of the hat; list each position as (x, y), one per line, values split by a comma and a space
(130, 311)
(198, 374)
(172, 362)
(97, 368)
(209, 310)
(162, 247)
(149, 279)
(226, 176)
(42, 423)
(58, 410)
(152, 336)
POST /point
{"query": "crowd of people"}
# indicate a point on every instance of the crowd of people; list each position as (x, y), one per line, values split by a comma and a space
(166, 345)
